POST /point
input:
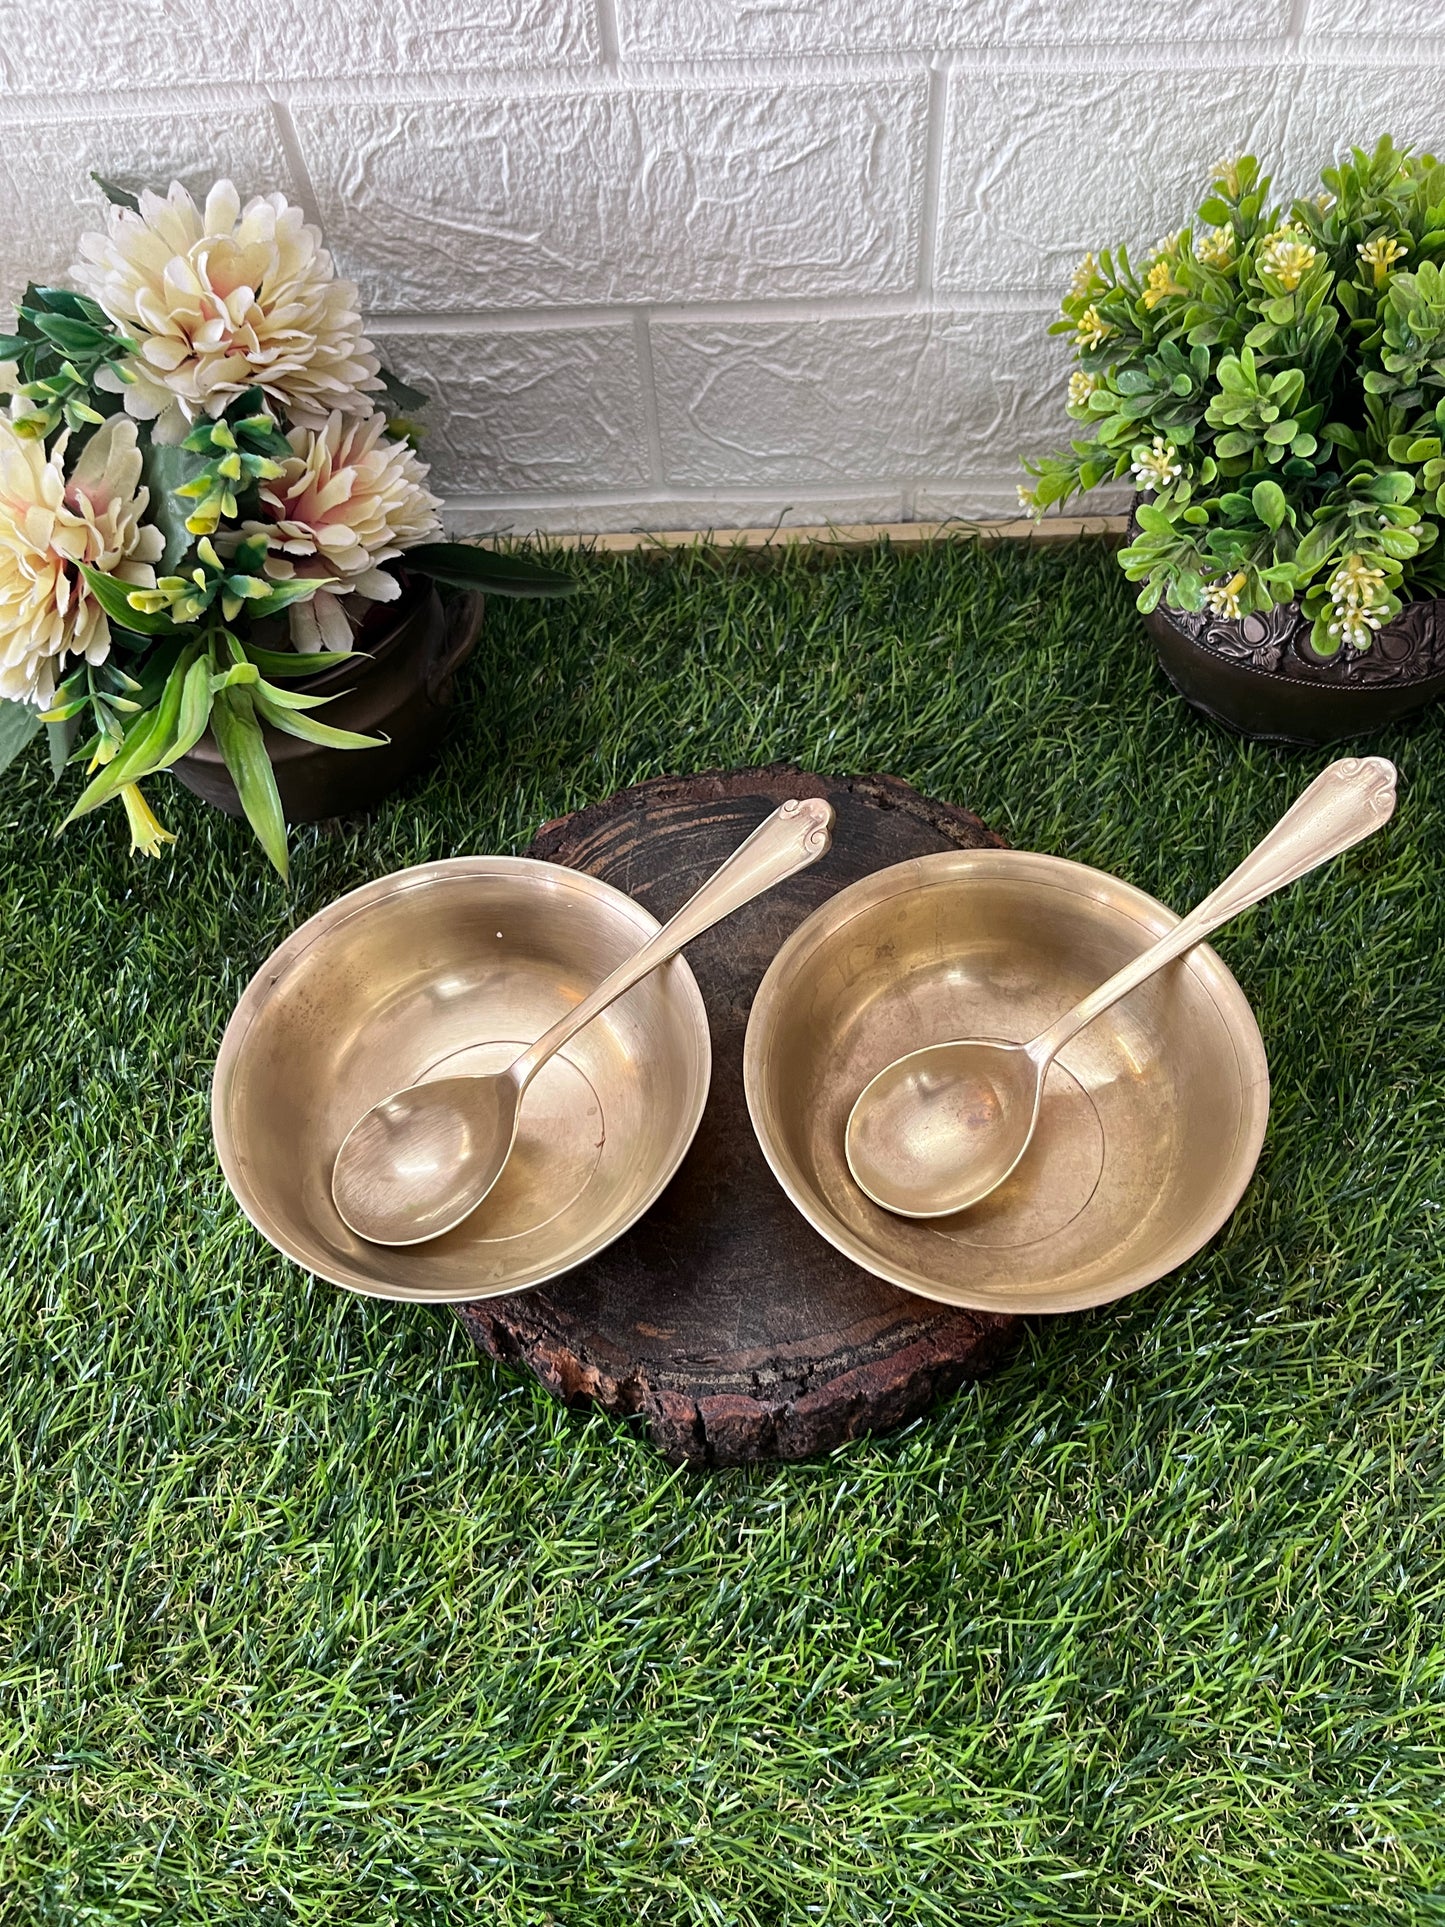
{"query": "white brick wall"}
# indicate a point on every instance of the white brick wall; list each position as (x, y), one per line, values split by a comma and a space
(691, 263)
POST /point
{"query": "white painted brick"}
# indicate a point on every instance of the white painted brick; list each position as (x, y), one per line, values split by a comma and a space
(1397, 18)
(50, 201)
(340, 37)
(99, 44)
(559, 409)
(566, 515)
(1042, 166)
(677, 195)
(679, 29)
(853, 401)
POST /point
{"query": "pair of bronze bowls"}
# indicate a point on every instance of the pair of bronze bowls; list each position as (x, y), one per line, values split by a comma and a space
(1151, 1126)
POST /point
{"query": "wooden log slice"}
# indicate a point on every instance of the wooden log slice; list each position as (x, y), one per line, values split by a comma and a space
(722, 1319)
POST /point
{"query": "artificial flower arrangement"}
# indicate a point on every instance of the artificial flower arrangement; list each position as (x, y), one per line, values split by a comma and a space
(206, 478)
(1274, 383)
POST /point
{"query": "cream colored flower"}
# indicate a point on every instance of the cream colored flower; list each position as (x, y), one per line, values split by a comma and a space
(1092, 328)
(1227, 174)
(1222, 598)
(147, 833)
(1358, 596)
(348, 500)
(1381, 252)
(1217, 248)
(1081, 386)
(223, 299)
(1286, 255)
(1158, 466)
(48, 523)
(1160, 282)
(1084, 275)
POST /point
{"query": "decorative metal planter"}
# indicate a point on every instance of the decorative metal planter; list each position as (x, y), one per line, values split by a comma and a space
(1260, 676)
(401, 689)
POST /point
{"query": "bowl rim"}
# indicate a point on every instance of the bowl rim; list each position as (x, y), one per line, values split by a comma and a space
(944, 866)
(342, 909)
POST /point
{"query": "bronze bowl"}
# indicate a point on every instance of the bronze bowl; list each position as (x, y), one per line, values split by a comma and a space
(1152, 1118)
(453, 966)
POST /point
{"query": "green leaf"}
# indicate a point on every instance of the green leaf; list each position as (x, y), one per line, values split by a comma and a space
(12, 346)
(239, 676)
(1321, 641)
(149, 742)
(60, 740)
(312, 731)
(401, 397)
(72, 337)
(1314, 549)
(111, 595)
(19, 724)
(194, 712)
(290, 664)
(243, 749)
(131, 761)
(79, 307)
(117, 196)
(165, 467)
(160, 660)
(291, 698)
(283, 594)
(1269, 504)
(465, 567)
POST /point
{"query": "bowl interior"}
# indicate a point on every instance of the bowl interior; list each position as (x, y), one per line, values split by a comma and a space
(1152, 1117)
(452, 967)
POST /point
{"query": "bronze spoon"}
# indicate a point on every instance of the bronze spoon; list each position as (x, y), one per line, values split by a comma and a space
(937, 1130)
(424, 1158)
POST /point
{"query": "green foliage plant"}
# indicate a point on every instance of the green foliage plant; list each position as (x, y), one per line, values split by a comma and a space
(195, 647)
(1272, 380)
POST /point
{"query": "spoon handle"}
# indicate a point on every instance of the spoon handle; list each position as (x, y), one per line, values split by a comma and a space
(1345, 803)
(796, 834)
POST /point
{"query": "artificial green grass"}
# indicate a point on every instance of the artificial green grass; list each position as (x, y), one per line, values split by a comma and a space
(307, 1615)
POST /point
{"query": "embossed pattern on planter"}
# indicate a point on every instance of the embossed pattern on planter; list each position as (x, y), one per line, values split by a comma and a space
(1405, 650)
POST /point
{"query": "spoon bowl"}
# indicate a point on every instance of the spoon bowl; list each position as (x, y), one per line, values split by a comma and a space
(935, 1128)
(422, 1159)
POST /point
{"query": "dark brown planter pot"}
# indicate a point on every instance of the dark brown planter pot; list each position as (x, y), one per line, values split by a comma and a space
(401, 689)
(1261, 677)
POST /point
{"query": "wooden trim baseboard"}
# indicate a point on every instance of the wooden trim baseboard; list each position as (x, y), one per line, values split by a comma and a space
(846, 535)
